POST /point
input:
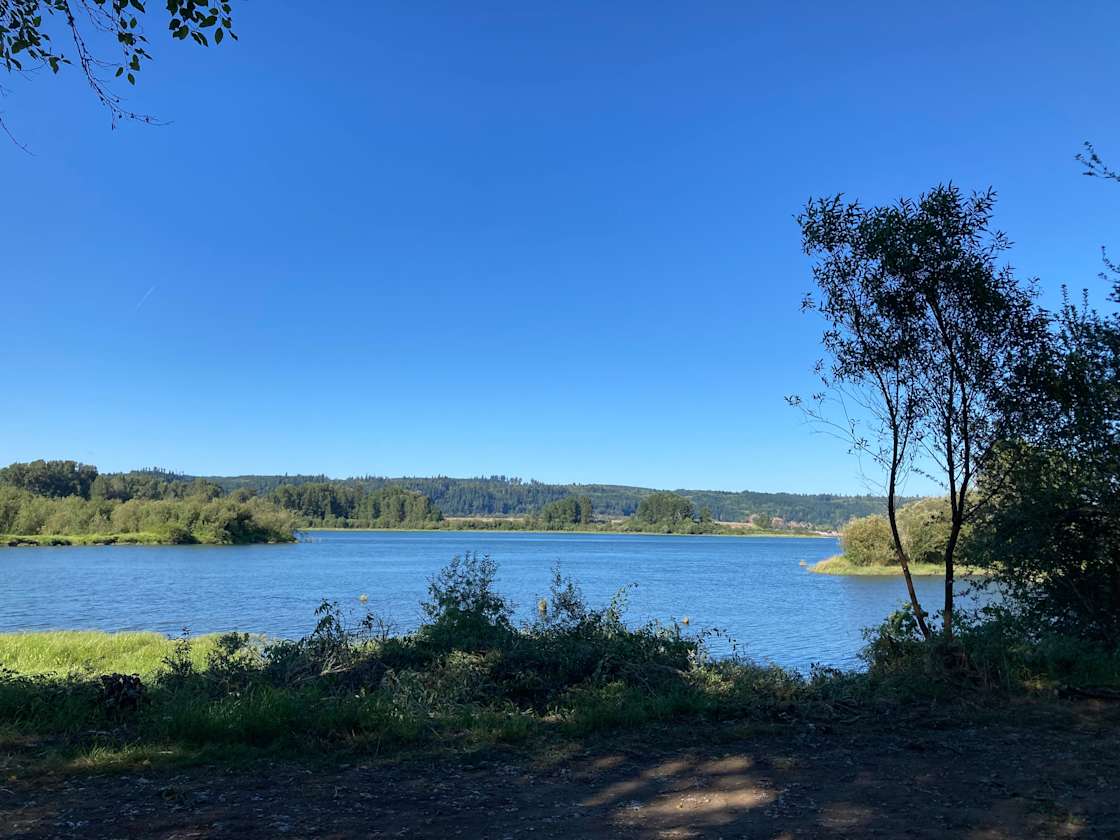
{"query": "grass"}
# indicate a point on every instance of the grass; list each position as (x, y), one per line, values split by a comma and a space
(458, 701)
(840, 565)
(230, 707)
(91, 652)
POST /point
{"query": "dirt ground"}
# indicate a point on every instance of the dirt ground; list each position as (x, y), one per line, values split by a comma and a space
(1033, 771)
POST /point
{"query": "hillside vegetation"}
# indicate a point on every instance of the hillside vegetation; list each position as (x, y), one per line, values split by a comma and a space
(65, 503)
(504, 496)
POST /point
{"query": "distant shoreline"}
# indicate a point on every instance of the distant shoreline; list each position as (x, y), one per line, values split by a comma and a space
(124, 538)
(743, 533)
(151, 539)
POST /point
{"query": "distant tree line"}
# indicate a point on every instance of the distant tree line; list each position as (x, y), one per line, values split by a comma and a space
(351, 505)
(504, 496)
(67, 497)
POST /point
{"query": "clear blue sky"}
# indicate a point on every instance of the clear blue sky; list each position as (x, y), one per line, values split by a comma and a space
(551, 240)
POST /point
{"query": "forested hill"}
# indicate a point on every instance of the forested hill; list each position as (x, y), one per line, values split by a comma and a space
(500, 495)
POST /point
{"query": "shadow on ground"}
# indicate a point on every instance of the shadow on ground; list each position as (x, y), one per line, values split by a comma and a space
(1036, 771)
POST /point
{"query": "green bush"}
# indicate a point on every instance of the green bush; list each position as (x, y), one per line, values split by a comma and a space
(923, 526)
(992, 651)
(867, 541)
(464, 611)
(199, 518)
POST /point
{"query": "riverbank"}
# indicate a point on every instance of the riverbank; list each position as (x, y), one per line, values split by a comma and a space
(141, 538)
(77, 701)
(131, 538)
(840, 565)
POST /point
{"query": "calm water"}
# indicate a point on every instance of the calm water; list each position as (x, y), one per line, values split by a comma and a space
(754, 588)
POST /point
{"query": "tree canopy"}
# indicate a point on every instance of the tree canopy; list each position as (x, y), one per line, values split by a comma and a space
(1052, 535)
(926, 333)
(51, 478)
(104, 39)
(564, 513)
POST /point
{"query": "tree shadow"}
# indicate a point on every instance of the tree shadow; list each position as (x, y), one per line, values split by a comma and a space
(1020, 772)
(1011, 778)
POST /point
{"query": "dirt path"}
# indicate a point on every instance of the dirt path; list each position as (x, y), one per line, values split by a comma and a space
(1051, 772)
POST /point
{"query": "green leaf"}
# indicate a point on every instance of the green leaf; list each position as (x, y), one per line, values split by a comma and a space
(120, 71)
(131, 79)
(218, 36)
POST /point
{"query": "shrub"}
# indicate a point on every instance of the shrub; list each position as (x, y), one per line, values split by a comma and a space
(867, 541)
(464, 610)
(993, 651)
(121, 693)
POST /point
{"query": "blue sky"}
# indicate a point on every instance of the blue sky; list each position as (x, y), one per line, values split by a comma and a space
(550, 240)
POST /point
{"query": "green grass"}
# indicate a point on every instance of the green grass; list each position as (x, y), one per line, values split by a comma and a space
(90, 652)
(840, 565)
(441, 688)
(53, 714)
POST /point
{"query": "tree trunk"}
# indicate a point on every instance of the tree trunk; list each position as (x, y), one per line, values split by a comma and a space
(950, 551)
(904, 561)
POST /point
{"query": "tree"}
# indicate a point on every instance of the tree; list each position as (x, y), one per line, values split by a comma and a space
(1052, 537)
(926, 334)
(93, 28)
(665, 509)
(563, 513)
(51, 478)
(585, 511)
(926, 527)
